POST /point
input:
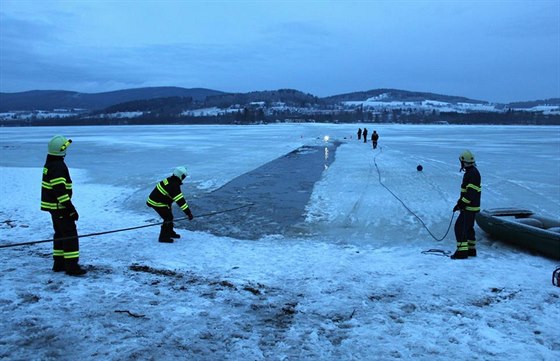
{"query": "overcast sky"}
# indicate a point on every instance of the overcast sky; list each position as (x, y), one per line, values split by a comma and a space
(494, 50)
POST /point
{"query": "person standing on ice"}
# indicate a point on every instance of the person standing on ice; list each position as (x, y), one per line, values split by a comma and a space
(469, 205)
(56, 198)
(162, 197)
(359, 133)
(364, 133)
(374, 138)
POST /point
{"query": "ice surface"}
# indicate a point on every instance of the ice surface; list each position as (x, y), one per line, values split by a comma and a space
(354, 286)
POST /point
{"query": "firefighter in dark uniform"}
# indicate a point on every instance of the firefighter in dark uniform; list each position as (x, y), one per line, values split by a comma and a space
(364, 133)
(56, 198)
(162, 197)
(359, 133)
(469, 205)
(374, 139)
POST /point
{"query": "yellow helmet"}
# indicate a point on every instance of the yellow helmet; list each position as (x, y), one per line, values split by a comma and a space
(467, 158)
(58, 145)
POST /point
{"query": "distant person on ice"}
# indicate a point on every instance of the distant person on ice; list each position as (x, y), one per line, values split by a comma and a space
(469, 205)
(162, 197)
(359, 133)
(374, 138)
(364, 133)
(56, 198)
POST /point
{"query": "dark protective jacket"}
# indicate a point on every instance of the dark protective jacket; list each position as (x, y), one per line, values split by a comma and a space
(375, 136)
(56, 186)
(166, 192)
(470, 190)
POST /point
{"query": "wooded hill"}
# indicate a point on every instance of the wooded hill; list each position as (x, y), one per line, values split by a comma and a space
(166, 105)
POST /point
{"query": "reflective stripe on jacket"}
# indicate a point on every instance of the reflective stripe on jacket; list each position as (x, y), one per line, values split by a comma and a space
(470, 190)
(166, 192)
(56, 185)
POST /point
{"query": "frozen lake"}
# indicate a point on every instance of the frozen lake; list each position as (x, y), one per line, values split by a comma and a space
(327, 264)
(286, 172)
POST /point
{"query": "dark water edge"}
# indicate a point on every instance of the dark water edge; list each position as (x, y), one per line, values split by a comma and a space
(279, 191)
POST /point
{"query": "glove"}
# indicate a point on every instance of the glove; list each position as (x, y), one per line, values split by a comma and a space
(456, 208)
(74, 215)
(189, 214)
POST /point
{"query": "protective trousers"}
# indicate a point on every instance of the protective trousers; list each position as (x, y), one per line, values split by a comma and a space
(166, 228)
(66, 247)
(464, 231)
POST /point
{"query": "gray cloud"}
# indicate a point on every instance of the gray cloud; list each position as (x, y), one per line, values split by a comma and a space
(477, 49)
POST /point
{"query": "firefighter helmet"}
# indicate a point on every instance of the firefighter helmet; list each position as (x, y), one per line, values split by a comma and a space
(467, 158)
(180, 172)
(58, 145)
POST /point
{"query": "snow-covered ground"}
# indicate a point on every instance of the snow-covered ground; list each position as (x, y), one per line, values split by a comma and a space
(377, 103)
(354, 286)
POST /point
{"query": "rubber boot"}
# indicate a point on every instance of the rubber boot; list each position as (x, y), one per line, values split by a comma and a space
(73, 268)
(58, 265)
(462, 251)
(166, 233)
(460, 255)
